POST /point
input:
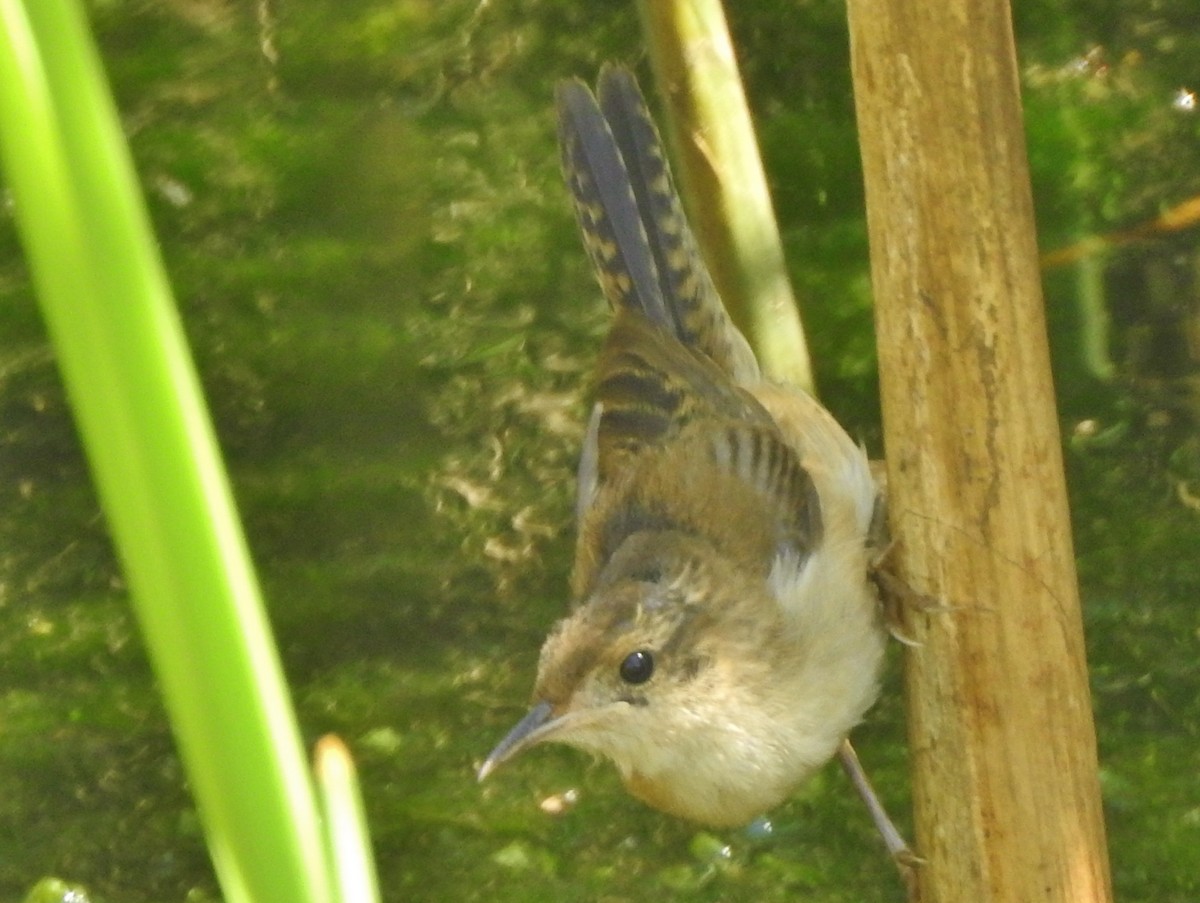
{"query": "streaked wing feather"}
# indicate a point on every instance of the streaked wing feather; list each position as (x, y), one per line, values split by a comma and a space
(651, 387)
(761, 459)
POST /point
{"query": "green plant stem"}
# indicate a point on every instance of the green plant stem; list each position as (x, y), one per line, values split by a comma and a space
(149, 441)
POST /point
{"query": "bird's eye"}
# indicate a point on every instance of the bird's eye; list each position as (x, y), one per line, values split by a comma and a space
(637, 667)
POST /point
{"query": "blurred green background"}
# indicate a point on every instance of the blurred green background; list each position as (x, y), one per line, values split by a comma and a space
(360, 207)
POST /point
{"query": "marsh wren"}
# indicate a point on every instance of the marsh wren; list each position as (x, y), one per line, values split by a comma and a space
(726, 635)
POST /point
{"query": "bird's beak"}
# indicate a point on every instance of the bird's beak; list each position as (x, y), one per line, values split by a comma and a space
(534, 727)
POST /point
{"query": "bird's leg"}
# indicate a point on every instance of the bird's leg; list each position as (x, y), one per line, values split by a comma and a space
(896, 596)
(906, 860)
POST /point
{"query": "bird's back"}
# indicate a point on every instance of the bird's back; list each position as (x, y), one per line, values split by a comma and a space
(675, 372)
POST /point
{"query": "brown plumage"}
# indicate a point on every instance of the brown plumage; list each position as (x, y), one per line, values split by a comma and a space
(725, 636)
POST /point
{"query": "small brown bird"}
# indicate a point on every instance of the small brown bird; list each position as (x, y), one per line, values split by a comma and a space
(726, 635)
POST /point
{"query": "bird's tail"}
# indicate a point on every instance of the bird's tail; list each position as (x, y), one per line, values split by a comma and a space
(633, 223)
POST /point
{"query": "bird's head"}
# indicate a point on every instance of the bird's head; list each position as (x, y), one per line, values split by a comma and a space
(668, 670)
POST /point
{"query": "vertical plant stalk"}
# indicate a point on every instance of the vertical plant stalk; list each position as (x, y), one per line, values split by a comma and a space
(1005, 785)
(345, 822)
(722, 179)
(137, 400)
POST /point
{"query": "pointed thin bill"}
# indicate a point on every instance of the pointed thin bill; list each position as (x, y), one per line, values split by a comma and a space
(539, 720)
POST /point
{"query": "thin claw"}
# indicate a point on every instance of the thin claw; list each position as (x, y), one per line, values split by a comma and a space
(897, 597)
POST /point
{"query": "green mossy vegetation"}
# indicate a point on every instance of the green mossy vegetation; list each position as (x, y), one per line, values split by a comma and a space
(394, 321)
